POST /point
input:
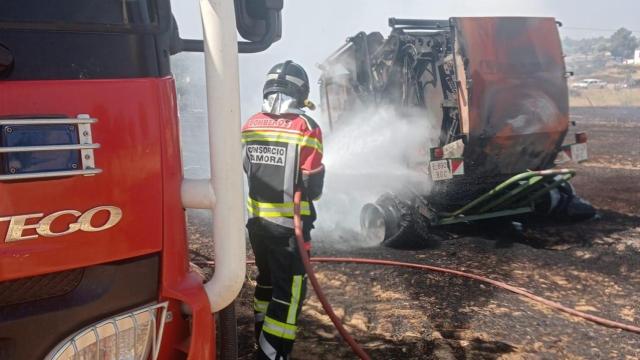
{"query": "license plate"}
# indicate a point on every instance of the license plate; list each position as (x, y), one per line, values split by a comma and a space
(440, 170)
(579, 152)
(563, 156)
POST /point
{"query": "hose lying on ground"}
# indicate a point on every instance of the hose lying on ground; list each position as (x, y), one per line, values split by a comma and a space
(595, 319)
(356, 347)
(555, 305)
(314, 281)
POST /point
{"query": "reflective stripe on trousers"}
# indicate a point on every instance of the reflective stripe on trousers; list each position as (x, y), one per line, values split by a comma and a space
(259, 309)
(296, 290)
(281, 281)
(279, 329)
(267, 350)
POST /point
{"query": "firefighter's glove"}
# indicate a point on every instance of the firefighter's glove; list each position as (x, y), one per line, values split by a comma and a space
(313, 182)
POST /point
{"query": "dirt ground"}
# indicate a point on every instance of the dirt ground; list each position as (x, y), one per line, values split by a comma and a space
(604, 97)
(593, 266)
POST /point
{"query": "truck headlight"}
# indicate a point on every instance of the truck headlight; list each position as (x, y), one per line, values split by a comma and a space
(130, 336)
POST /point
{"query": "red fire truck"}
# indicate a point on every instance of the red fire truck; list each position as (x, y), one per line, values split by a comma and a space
(93, 251)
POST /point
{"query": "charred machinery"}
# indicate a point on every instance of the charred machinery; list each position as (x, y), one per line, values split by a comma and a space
(494, 93)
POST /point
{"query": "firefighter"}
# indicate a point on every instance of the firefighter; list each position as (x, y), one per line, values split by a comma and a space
(282, 153)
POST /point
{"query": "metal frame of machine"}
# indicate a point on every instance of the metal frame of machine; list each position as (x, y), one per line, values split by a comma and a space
(496, 90)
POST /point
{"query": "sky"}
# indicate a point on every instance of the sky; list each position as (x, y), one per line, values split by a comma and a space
(314, 29)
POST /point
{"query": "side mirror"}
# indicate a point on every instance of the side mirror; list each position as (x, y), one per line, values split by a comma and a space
(258, 21)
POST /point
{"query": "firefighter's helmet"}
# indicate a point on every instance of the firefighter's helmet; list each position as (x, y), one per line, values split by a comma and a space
(288, 78)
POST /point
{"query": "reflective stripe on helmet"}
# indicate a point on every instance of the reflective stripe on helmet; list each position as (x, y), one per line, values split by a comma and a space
(293, 79)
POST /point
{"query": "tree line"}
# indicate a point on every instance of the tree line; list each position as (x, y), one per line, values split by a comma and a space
(621, 44)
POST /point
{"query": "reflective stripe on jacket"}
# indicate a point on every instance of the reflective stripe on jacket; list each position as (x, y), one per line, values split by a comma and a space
(281, 153)
(263, 209)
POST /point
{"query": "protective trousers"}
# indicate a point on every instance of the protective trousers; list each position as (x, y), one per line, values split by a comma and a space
(280, 290)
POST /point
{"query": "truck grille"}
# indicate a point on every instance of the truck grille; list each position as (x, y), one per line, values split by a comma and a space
(39, 287)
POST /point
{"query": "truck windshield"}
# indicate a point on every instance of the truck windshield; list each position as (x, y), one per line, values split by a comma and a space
(116, 14)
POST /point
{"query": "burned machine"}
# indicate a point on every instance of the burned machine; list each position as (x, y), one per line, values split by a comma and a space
(495, 91)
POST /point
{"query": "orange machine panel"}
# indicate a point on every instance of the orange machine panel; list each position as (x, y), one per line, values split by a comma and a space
(518, 111)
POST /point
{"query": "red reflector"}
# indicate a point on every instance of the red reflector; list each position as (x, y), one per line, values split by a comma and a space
(581, 137)
(437, 153)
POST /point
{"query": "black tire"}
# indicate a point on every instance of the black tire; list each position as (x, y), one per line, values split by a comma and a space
(403, 226)
(568, 207)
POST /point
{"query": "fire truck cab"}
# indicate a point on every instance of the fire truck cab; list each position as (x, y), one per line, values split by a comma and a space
(93, 250)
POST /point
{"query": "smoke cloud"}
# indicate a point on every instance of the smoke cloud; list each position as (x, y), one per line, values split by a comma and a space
(366, 155)
(370, 154)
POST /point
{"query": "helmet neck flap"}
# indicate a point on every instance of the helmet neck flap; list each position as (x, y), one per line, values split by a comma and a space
(280, 103)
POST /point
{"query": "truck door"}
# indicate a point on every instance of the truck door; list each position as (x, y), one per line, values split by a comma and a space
(86, 105)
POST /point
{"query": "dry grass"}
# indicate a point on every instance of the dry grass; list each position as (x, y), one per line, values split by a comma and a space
(605, 97)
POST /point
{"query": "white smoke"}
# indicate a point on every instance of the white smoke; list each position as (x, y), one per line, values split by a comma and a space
(372, 153)
(365, 155)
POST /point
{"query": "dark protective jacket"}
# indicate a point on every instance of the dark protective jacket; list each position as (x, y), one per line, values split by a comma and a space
(281, 153)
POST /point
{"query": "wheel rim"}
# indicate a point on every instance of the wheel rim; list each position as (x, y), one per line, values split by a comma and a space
(372, 223)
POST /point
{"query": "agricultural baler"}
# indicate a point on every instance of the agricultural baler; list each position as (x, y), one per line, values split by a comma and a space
(495, 91)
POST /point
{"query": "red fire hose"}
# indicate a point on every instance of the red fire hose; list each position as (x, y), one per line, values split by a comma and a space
(314, 281)
(595, 319)
(354, 345)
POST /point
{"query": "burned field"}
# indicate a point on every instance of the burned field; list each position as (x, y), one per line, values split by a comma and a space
(592, 266)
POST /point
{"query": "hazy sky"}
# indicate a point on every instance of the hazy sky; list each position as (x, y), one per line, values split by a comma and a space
(313, 29)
